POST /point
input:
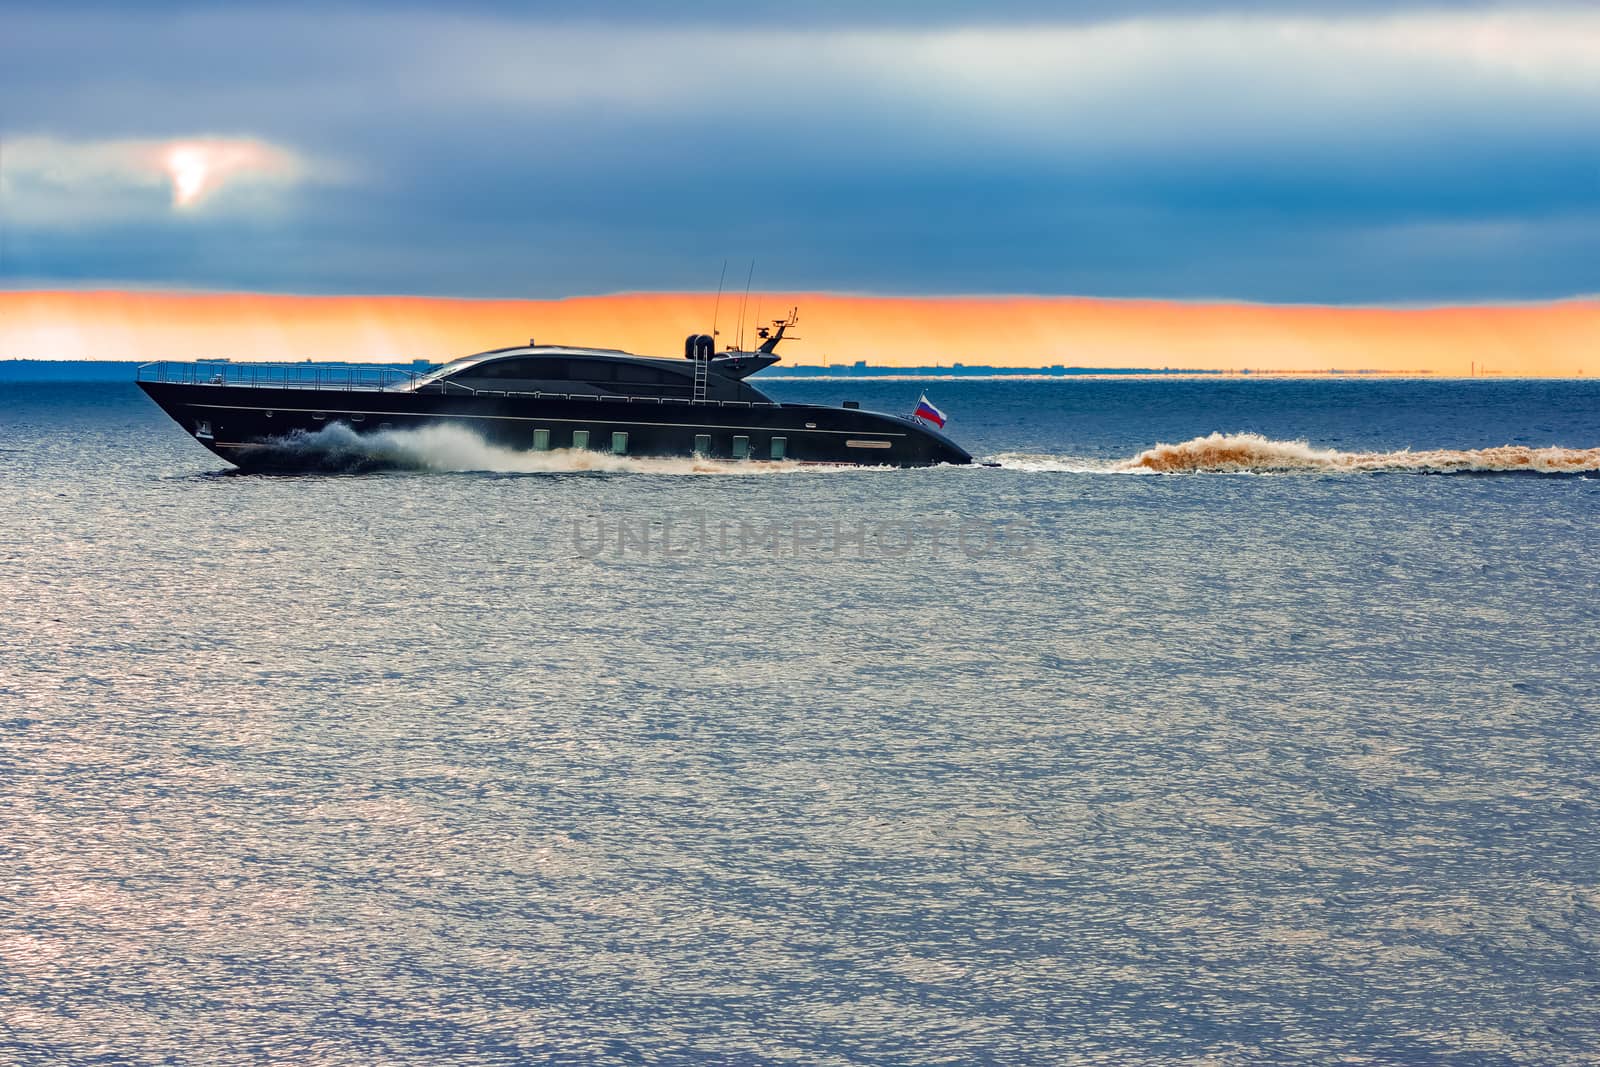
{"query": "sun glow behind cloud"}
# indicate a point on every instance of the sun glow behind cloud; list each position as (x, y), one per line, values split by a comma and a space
(76, 183)
(199, 167)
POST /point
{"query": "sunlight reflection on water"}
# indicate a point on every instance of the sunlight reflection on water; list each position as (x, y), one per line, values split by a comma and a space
(341, 770)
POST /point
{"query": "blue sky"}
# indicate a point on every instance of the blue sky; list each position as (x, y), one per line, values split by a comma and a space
(1360, 152)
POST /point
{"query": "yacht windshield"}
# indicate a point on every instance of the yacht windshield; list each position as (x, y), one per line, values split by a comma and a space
(455, 366)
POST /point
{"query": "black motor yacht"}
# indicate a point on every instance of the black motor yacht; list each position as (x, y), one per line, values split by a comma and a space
(540, 398)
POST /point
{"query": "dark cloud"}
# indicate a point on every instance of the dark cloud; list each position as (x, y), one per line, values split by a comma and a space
(744, 14)
(491, 153)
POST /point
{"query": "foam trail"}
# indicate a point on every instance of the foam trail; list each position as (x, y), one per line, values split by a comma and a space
(337, 447)
(1220, 453)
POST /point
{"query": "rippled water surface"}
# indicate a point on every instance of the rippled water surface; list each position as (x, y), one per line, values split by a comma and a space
(479, 761)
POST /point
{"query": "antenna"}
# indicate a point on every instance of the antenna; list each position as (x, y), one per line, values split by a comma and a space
(718, 305)
(745, 301)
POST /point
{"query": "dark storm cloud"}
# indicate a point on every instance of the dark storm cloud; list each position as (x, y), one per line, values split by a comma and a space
(735, 14)
(495, 152)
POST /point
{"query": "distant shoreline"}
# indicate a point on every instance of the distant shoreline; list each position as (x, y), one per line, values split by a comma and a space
(83, 370)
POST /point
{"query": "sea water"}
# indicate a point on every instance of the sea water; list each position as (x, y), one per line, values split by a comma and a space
(1224, 721)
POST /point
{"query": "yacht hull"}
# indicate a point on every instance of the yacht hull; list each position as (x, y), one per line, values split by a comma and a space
(264, 428)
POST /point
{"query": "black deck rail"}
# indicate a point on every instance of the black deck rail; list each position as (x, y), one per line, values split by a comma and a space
(369, 377)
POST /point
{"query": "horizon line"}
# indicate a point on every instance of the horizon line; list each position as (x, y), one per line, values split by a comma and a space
(939, 372)
(121, 289)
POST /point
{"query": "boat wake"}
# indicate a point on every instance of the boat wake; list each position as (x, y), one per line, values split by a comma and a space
(339, 449)
(1220, 453)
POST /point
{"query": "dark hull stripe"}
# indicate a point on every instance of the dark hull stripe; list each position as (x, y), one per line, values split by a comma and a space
(333, 415)
(255, 446)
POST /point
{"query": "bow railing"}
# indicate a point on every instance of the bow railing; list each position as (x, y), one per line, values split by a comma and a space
(375, 377)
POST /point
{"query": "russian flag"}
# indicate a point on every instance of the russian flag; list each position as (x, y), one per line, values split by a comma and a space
(930, 413)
